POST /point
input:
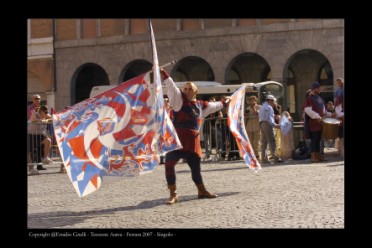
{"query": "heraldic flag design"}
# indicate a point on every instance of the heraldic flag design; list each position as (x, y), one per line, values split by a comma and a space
(117, 133)
(235, 120)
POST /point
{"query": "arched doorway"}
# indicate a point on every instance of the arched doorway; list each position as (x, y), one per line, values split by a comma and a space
(325, 78)
(301, 70)
(192, 68)
(85, 78)
(247, 67)
(134, 69)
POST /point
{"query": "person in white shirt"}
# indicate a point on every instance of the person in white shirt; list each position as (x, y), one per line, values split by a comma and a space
(267, 123)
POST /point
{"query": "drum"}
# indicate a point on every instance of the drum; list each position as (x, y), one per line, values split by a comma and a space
(330, 128)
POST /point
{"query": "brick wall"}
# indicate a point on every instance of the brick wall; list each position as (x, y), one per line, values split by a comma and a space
(88, 28)
(41, 28)
(138, 26)
(161, 25)
(112, 27)
(246, 22)
(211, 23)
(66, 29)
(304, 20)
(42, 68)
(272, 21)
(190, 24)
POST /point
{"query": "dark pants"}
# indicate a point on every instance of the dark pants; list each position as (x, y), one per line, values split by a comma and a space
(192, 159)
(341, 132)
(315, 141)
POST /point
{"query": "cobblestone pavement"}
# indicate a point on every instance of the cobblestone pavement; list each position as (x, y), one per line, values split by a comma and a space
(294, 194)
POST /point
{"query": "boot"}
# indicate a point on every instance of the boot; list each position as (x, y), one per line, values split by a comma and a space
(314, 157)
(173, 198)
(322, 158)
(203, 193)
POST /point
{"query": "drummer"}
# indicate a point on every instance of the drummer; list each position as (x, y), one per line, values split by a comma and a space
(314, 107)
(339, 109)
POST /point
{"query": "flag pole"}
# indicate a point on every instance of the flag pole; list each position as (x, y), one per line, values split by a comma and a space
(155, 69)
(169, 63)
(166, 64)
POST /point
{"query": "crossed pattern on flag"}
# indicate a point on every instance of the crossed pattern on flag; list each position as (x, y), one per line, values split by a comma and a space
(235, 120)
(119, 132)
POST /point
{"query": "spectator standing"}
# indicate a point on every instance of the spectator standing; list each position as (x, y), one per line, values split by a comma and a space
(277, 113)
(330, 107)
(327, 143)
(38, 139)
(209, 131)
(339, 110)
(267, 123)
(253, 125)
(36, 99)
(168, 108)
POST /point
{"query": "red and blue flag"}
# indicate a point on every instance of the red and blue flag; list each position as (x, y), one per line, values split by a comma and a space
(235, 120)
(120, 132)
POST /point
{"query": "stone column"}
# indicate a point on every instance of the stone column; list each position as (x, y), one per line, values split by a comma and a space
(50, 99)
(219, 74)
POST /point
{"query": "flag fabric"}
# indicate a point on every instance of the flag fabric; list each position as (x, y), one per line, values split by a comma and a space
(120, 132)
(167, 129)
(235, 120)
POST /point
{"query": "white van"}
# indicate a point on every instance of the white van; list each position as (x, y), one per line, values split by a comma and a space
(99, 89)
(203, 87)
(207, 89)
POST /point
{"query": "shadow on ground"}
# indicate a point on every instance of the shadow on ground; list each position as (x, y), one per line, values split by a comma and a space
(68, 218)
(243, 166)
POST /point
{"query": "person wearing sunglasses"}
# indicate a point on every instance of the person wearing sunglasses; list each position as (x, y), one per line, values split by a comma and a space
(37, 136)
(36, 99)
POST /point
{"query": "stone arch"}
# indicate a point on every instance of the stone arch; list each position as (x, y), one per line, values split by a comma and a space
(84, 79)
(192, 68)
(325, 78)
(134, 69)
(247, 67)
(302, 69)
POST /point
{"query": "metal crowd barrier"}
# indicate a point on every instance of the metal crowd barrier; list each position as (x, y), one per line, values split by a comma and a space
(218, 143)
(35, 147)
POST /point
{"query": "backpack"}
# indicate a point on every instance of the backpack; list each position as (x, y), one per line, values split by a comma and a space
(302, 151)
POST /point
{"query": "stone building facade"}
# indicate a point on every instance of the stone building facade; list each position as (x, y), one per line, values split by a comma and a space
(90, 52)
(40, 60)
